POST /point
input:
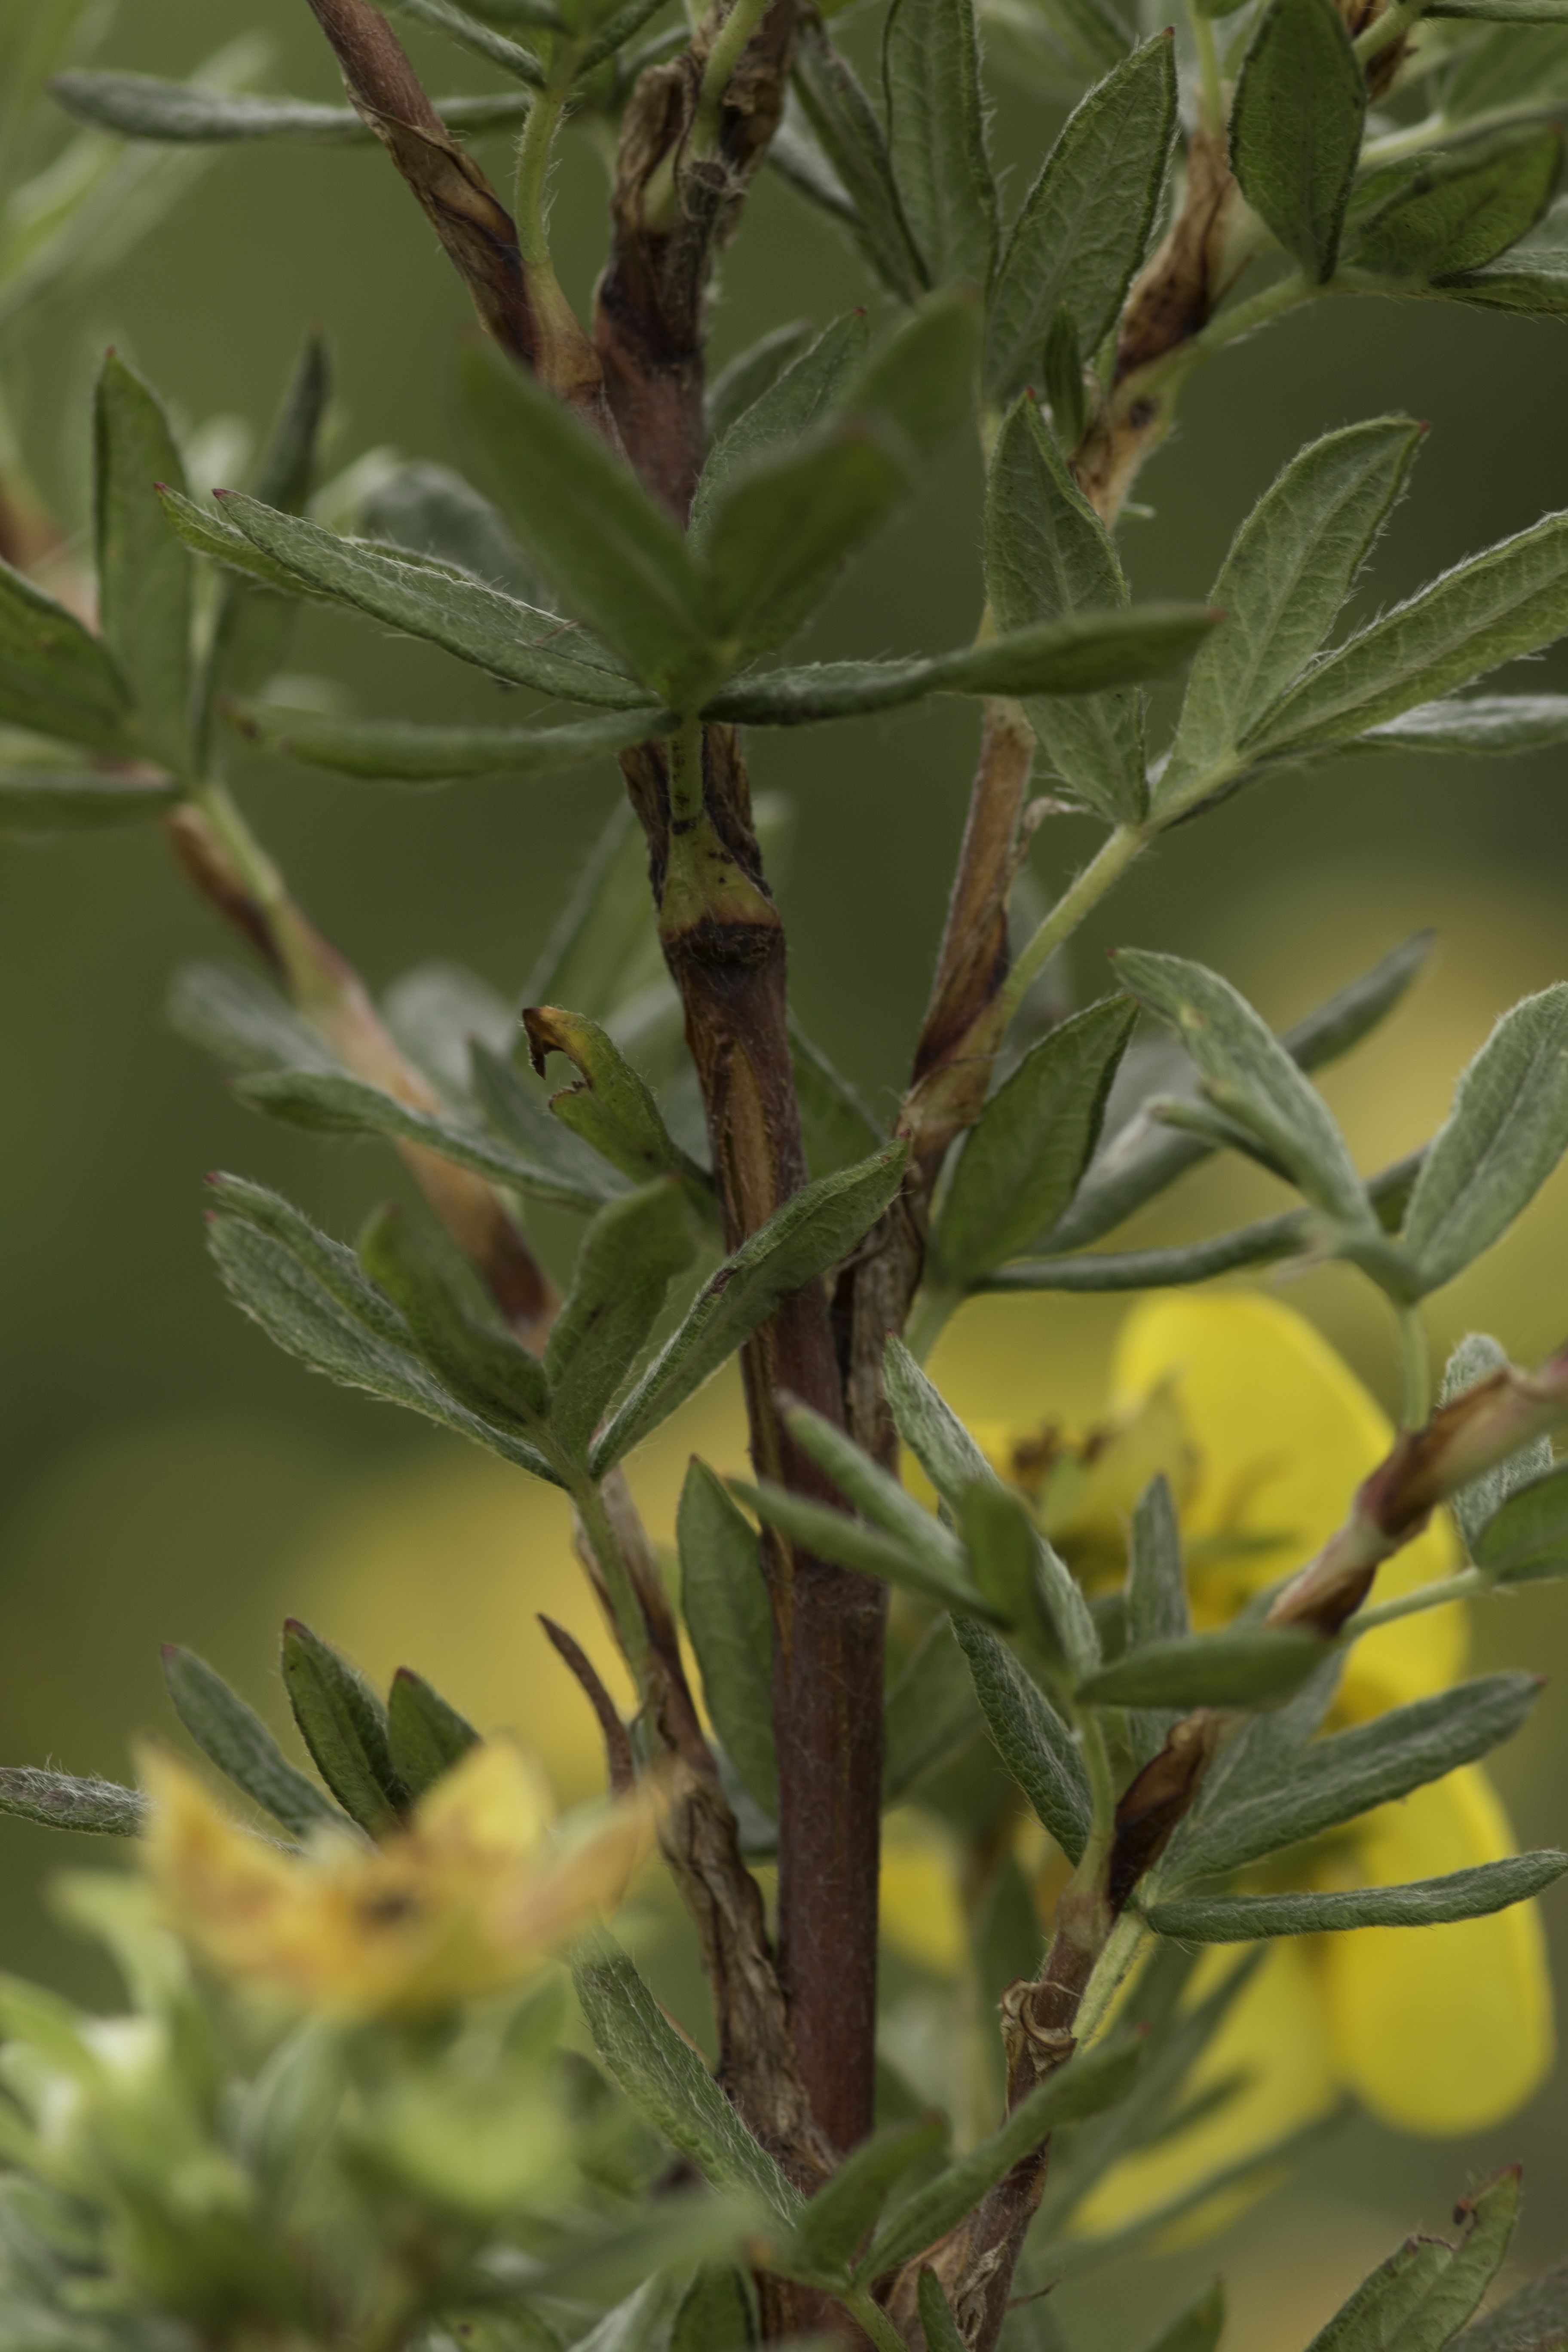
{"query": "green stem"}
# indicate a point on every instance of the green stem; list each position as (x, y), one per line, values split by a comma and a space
(1416, 1361)
(533, 152)
(1123, 1946)
(1390, 26)
(934, 1310)
(1211, 92)
(255, 869)
(624, 1606)
(725, 55)
(1116, 853)
(1463, 1586)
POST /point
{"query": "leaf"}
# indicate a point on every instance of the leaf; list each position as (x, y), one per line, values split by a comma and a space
(143, 572)
(477, 38)
(1424, 1902)
(667, 2082)
(343, 1725)
(1078, 657)
(813, 1229)
(481, 1364)
(1526, 1538)
(1458, 212)
(936, 137)
(851, 139)
(433, 511)
(919, 387)
(724, 1602)
(1025, 1154)
(836, 1124)
(1156, 1602)
(1006, 1561)
(1294, 562)
(1031, 1739)
(1239, 1667)
(1533, 2320)
(329, 1102)
(1084, 225)
(714, 2314)
(56, 800)
(605, 944)
(1253, 1078)
(1089, 2082)
(630, 1255)
(805, 390)
(60, 1802)
(234, 1737)
(55, 678)
(403, 751)
(425, 1735)
(777, 537)
(879, 1497)
(1199, 2328)
(938, 2324)
(310, 1295)
(1336, 1778)
(611, 1105)
(1296, 128)
(478, 624)
(1512, 600)
(743, 380)
(1534, 282)
(513, 1108)
(930, 1712)
(837, 2218)
(1474, 1361)
(1048, 557)
(1505, 1134)
(616, 557)
(832, 1535)
(1417, 2299)
(1290, 1234)
(1492, 723)
(141, 106)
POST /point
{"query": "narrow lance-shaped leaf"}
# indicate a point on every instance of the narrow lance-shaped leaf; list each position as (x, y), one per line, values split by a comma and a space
(883, 1499)
(777, 537)
(629, 1256)
(1424, 1902)
(1031, 1739)
(832, 1535)
(715, 2314)
(836, 1124)
(425, 1735)
(844, 2207)
(143, 572)
(56, 800)
(1506, 1131)
(1238, 1667)
(343, 1725)
(799, 397)
(819, 1225)
(1492, 723)
(1296, 128)
(752, 373)
(610, 1105)
(1086, 221)
(1477, 1359)
(1048, 557)
(482, 1365)
(56, 679)
(852, 140)
(1526, 1538)
(1156, 1599)
(1458, 212)
(725, 1604)
(1024, 1158)
(59, 1801)
(936, 135)
(1428, 2288)
(938, 2324)
(184, 113)
(1294, 562)
(403, 751)
(236, 1741)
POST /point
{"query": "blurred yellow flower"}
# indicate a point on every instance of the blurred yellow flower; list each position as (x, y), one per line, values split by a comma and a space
(1265, 1434)
(470, 1897)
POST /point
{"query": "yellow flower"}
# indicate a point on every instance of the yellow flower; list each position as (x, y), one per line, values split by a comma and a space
(1265, 1435)
(470, 1897)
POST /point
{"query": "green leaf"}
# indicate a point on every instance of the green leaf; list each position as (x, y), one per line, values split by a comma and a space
(1296, 128)
(1005, 1559)
(879, 1497)
(1424, 1902)
(1533, 283)
(1476, 1360)
(743, 380)
(667, 2082)
(851, 139)
(919, 387)
(1533, 2320)
(605, 948)
(1027, 1153)
(1090, 2082)
(1512, 600)
(1505, 1134)
(1526, 1538)
(56, 679)
(235, 1739)
(1048, 557)
(1459, 211)
(478, 624)
(1290, 1234)
(836, 1124)
(403, 751)
(56, 800)
(829, 1534)
(1492, 723)
(930, 1712)
(1085, 223)
(1062, 368)
(513, 1108)
(433, 511)
(610, 1105)
(938, 2324)
(802, 395)
(617, 557)
(630, 1255)
(425, 1735)
(1416, 2300)
(481, 1365)
(1336, 1778)
(143, 572)
(776, 538)
(1237, 1668)
(1031, 1739)
(1294, 562)
(725, 1604)
(182, 114)
(715, 2312)
(1156, 1602)
(343, 1725)
(1252, 1079)
(477, 38)
(59, 1802)
(1199, 2328)
(936, 137)
(329, 1102)
(1080, 657)
(817, 1227)
(311, 1297)
(837, 2218)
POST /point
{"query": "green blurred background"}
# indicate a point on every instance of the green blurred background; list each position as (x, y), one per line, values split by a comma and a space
(166, 1475)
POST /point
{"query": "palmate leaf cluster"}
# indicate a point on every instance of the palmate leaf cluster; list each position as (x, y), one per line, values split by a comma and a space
(207, 2171)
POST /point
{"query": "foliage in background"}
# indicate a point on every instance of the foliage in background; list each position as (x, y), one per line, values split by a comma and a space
(351, 2103)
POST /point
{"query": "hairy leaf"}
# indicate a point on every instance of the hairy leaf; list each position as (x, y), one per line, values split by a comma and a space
(425, 1733)
(403, 751)
(1424, 1902)
(60, 1802)
(724, 1601)
(1296, 128)
(1031, 1739)
(852, 140)
(1238, 1667)
(56, 679)
(1417, 2299)
(234, 1738)
(1526, 1538)
(630, 1255)
(936, 136)
(343, 1725)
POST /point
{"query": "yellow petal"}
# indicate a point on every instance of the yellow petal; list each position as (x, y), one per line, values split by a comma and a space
(1284, 1435)
(1277, 2037)
(1440, 2030)
(920, 1911)
(494, 1801)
